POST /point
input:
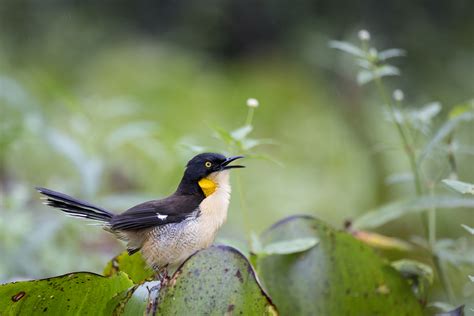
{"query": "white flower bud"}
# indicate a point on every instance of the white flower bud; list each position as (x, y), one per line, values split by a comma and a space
(251, 102)
(398, 95)
(364, 35)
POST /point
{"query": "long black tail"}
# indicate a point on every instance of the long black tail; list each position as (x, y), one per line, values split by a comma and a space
(75, 207)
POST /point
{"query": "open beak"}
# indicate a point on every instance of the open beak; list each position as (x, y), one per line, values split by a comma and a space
(225, 164)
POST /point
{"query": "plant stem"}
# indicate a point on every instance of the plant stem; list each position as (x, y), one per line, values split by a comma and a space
(432, 224)
(432, 246)
(248, 120)
(406, 144)
(428, 219)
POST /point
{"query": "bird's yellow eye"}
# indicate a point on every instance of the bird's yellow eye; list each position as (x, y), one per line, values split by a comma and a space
(208, 164)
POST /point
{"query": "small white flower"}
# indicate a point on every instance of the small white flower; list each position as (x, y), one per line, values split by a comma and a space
(398, 95)
(251, 102)
(364, 35)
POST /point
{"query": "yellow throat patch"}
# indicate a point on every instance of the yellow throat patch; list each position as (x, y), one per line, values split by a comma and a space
(208, 186)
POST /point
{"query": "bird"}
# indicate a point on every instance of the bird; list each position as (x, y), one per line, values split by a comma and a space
(167, 231)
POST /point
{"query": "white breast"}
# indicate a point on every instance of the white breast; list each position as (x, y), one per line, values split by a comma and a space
(214, 207)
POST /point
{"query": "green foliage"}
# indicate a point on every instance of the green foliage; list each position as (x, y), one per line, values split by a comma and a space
(283, 247)
(397, 209)
(459, 186)
(338, 276)
(421, 146)
(134, 266)
(79, 293)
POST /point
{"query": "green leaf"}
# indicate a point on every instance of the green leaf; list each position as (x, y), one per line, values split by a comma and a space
(255, 243)
(347, 47)
(380, 241)
(286, 247)
(427, 112)
(391, 211)
(250, 143)
(459, 186)
(341, 276)
(242, 132)
(223, 135)
(457, 252)
(134, 266)
(391, 53)
(443, 132)
(365, 76)
(462, 108)
(78, 293)
(218, 280)
(469, 229)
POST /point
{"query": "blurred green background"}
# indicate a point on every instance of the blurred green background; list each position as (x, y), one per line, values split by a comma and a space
(107, 101)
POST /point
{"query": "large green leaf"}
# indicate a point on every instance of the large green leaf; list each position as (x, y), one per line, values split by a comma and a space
(134, 266)
(215, 281)
(80, 293)
(338, 276)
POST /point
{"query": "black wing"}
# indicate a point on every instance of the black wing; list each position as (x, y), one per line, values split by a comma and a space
(172, 209)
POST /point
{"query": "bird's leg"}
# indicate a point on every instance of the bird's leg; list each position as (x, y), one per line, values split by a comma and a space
(162, 275)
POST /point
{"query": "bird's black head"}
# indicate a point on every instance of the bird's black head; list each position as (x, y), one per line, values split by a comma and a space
(202, 165)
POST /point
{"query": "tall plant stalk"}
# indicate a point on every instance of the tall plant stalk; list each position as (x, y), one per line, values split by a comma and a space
(428, 218)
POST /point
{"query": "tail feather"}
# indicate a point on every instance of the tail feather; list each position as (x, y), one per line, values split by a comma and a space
(74, 207)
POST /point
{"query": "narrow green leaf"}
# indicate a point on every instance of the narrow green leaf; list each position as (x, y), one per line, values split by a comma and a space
(443, 132)
(391, 211)
(286, 247)
(365, 76)
(462, 108)
(347, 47)
(223, 135)
(456, 252)
(241, 133)
(386, 70)
(469, 229)
(250, 143)
(391, 53)
(459, 186)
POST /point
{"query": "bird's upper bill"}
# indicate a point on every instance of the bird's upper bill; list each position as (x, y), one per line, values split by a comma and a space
(225, 164)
